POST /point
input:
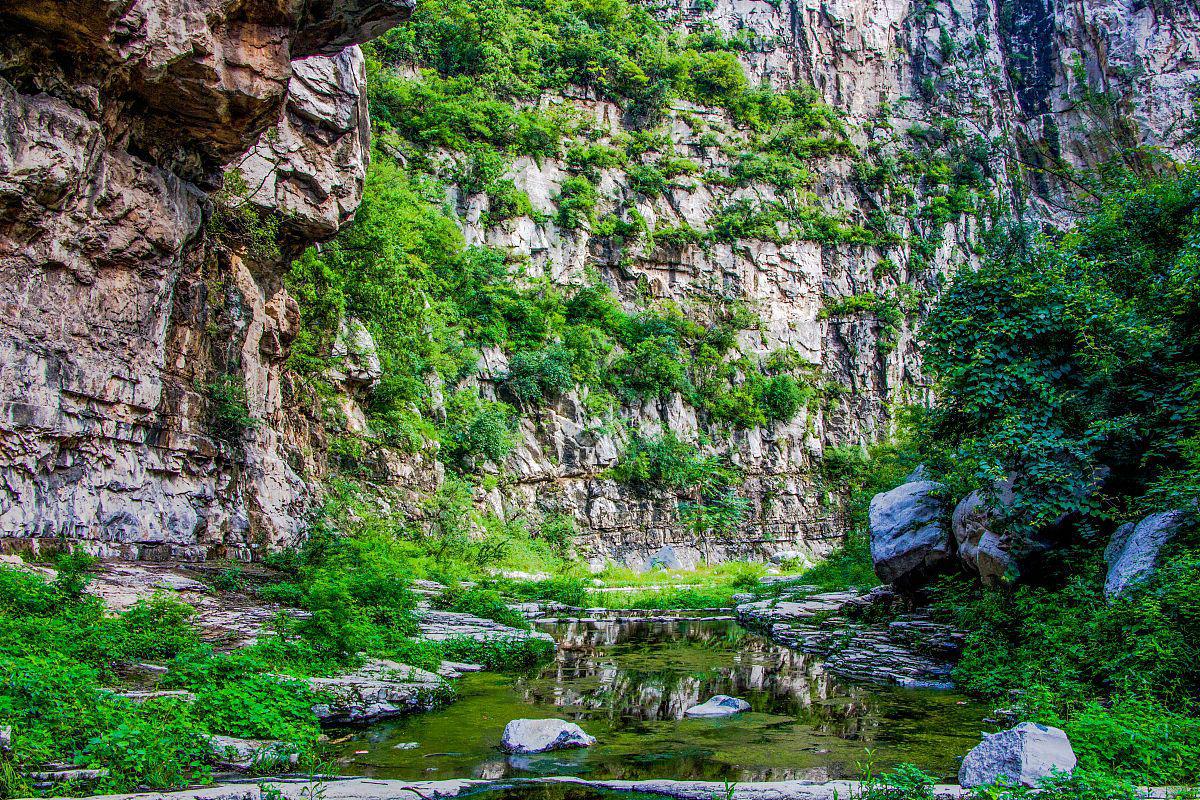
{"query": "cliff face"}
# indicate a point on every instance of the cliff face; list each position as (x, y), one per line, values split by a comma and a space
(118, 309)
(135, 293)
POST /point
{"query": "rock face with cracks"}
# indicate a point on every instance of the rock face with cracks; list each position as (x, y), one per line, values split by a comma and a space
(135, 293)
(128, 297)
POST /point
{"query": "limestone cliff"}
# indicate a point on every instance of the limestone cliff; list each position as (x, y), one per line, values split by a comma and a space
(128, 300)
(119, 309)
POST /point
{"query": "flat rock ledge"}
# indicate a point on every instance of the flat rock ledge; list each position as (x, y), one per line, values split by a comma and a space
(912, 650)
(372, 789)
(377, 690)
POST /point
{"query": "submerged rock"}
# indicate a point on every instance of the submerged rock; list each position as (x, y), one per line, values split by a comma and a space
(1024, 754)
(909, 540)
(542, 735)
(1132, 554)
(721, 705)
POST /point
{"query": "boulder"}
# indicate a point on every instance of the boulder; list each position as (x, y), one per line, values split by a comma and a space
(665, 558)
(542, 735)
(1024, 754)
(983, 547)
(247, 754)
(1132, 553)
(721, 705)
(909, 539)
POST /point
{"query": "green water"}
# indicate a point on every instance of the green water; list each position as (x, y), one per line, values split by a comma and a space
(628, 685)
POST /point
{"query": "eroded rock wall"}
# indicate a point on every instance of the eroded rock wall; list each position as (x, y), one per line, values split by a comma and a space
(117, 307)
(121, 307)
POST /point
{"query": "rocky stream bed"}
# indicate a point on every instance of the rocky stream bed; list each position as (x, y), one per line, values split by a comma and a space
(819, 683)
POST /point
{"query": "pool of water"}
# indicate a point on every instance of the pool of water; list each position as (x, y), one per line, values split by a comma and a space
(628, 683)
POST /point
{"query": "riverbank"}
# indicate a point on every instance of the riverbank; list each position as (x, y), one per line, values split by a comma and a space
(372, 789)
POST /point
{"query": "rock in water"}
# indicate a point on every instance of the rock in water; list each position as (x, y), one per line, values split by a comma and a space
(1024, 754)
(908, 537)
(721, 705)
(542, 735)
(1133, 552)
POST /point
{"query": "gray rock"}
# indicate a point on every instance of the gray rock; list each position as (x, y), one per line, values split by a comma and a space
(909, 539)
(1133, 554)
(721, 705)
(1024, 754)
(784, 556)
(665, 558)
(377, 690)
(542, 735)
(245, 754)
(983, 547)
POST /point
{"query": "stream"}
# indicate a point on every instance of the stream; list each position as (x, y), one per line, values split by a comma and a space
(628, 682)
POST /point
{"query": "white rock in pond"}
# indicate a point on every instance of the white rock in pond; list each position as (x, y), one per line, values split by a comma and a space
(1024, 754)
(1132, 554)
(721, 705)
(541, 735)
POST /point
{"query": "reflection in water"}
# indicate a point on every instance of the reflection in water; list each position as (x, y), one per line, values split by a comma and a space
(628, 683)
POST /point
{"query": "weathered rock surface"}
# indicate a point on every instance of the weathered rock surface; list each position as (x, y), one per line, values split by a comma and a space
(247, 754)
(983, 547)
(721, 705)
(1023, 755)
(909, 539)
(116, 305)
(543, 735)
(1132, 553)
(377, 690)
(910, 650)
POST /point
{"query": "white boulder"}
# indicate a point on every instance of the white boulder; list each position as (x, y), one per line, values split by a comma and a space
(909, 539)
(721, 705)
(1024, 754)
(1132, 554)
(541, 735)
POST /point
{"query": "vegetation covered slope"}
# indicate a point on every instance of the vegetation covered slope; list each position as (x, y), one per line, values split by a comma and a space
(466, 92)
(1070, 361)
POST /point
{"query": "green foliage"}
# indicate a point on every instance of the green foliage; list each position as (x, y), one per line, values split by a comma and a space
(848, 566)
(1119, 677)
(541, 373)
(479, 428)
(507, 655)
(664, 461)
(237, 223)
(484, 603)
(577, 203)
(782, 397)
(1058, 359)
(229, 414)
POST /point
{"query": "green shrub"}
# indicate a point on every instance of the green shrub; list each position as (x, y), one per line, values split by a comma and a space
(506, 655)
(478, 428)
(664, 461)
(229, 414)
(537, 374)
(482, 603)
(782, 397)
(577, 203)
